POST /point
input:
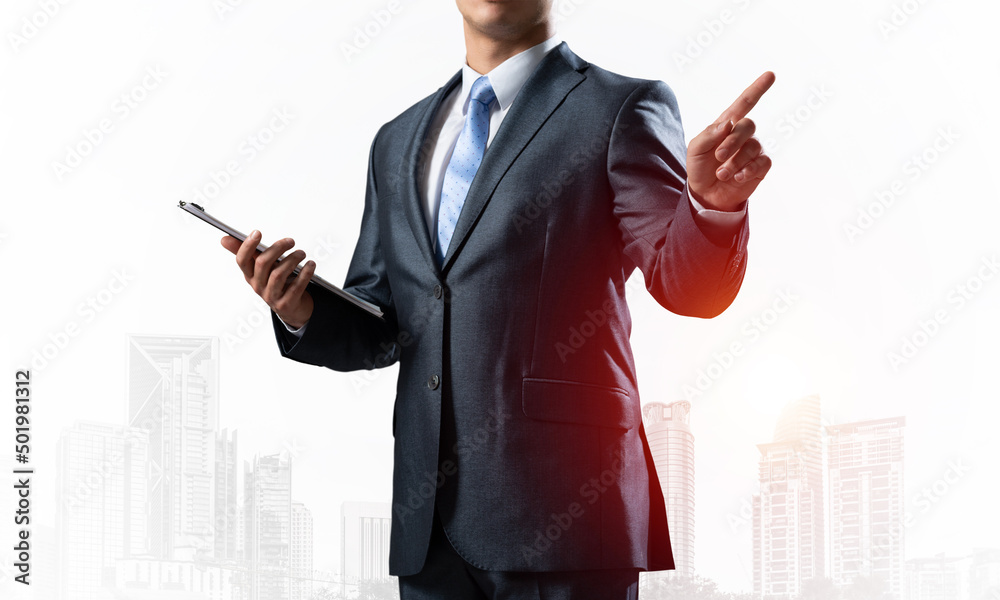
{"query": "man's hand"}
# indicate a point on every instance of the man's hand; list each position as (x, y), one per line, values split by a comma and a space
(283, 291)
(725, 163)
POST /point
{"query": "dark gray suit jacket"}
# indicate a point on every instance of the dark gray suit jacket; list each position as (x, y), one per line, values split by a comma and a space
(517, 409)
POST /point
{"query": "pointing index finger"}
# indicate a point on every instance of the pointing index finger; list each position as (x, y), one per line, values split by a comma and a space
(748, 99)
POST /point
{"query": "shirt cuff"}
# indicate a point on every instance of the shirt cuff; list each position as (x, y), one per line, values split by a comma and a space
(296, 332)
(722, 218)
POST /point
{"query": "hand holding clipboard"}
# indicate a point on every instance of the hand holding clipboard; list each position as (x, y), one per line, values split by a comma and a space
(261, 282)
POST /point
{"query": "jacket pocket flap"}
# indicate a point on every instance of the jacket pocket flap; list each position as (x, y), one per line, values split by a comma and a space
(573, 402)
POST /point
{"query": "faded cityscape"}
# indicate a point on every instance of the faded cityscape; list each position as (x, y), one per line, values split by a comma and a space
(828, 520)
(153, 507)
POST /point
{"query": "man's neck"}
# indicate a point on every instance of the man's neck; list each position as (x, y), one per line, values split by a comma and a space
(484, 53)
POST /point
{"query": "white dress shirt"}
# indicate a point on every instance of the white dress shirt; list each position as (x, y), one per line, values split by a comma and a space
(507, 79)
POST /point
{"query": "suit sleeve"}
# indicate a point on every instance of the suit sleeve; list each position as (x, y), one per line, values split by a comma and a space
(339, 335)
(690, 266)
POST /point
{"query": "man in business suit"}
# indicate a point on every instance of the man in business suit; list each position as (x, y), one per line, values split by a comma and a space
(503, 215)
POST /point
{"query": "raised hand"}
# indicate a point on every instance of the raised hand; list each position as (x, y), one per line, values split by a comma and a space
(274, 281)
(725, 163)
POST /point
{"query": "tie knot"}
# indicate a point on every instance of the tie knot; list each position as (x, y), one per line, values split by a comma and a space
(483, 91)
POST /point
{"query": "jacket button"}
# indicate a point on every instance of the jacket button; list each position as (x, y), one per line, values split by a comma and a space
(434, 382)
(438, 291)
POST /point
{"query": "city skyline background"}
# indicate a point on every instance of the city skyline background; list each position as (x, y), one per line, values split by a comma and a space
(827, 494)
(105, 250)
(830, 504)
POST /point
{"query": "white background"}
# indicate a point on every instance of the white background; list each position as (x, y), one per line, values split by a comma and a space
(866, 101)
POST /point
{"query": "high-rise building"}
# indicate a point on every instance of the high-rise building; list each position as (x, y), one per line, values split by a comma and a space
(937, 578)
(100, 518)
(241, 533)
(984, 574)
(671, 442)
(226, 505)
(302, 552)
(788, 516)
(173, 394)
(267, 511)
(866, 502)
(364, 541)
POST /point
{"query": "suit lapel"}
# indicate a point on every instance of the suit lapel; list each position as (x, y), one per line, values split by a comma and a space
(544, 90)
(417, 152)
(552, 80)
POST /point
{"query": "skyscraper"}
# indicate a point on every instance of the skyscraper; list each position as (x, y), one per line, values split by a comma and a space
(173, 394)
(867, 503)
(268, 528)
(302, 552)
(788, 516)
(672, 445)
(100, 519)
(364, 541)
(226, 508)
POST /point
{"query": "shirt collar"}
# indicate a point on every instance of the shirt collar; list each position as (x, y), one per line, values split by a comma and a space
(508, 77)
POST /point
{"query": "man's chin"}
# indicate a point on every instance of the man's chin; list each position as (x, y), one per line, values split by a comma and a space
(504, 28)
(504, 18)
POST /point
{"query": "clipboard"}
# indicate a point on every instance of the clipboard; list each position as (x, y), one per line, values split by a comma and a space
(194, 209)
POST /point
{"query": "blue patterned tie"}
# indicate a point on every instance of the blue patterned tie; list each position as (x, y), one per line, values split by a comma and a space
(464, 163)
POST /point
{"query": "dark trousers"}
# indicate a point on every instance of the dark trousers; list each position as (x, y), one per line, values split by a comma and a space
(447, 576)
